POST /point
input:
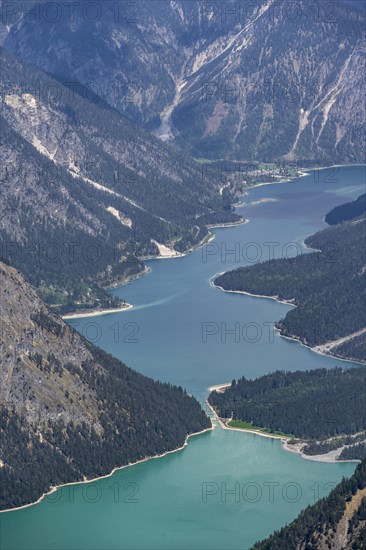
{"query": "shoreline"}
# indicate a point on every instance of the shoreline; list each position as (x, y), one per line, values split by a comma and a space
(95, 313)
(243, 221)
(208, 238)
(205, 240)
(55, 488)
(319, 351)
(329, 458)
(129, 279)
(304, 172)
(276, 299)
(286, 179)
(141, 274)
(316, 349)
(219, 387)
(243, 430)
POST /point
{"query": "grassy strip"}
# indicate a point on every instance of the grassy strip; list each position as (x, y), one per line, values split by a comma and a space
(249, 426)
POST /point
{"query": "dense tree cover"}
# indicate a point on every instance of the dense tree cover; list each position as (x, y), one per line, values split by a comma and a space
(68, 410)
(79, 218)
(328, 287)
(357, 527)
(347, 211)
(354, 348)
(351, 443)
(162, 181)
(354, 452)
(136, 417)
(320, 520)
(312, 404)
(66, 263)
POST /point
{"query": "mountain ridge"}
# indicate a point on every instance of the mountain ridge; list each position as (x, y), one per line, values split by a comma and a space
(259, 80)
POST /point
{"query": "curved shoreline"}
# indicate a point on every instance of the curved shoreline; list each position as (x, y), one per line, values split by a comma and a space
(95, 313)
(315, 349)
(208, 238)
(142, 274)
(275, 298)
(243, 430)
(319, 351)
(243, 221)
(328, 458)
(305, 172)
(55, 488)
(129, 279)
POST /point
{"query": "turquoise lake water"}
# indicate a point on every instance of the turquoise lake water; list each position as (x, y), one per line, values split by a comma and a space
(226, 489)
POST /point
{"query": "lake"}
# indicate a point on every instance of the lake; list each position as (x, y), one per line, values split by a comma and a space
(226, 489)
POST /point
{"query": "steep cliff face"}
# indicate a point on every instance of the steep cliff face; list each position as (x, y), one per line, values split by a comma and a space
(69, 411)
(247, 80)
(286, 84)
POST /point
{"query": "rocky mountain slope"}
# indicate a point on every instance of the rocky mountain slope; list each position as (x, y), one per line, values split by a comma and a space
(261, 80)
(85, 191)
(68, 410)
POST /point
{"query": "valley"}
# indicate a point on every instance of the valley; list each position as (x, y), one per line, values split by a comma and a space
(219, 456)
(182, 275)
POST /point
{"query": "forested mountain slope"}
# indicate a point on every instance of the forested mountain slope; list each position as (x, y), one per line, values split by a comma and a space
(315, 404)
(328, 287)
(263, 79)
(348, 211)
(337, 522)
(69, 411)
(77, 174)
